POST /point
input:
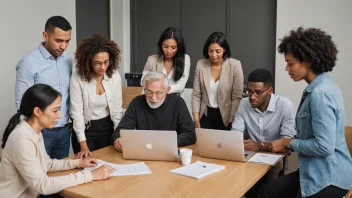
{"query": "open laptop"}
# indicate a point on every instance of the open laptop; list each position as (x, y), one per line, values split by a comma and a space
(219, 144)
(149, 145)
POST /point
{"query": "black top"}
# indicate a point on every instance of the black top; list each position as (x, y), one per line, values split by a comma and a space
(172, 115)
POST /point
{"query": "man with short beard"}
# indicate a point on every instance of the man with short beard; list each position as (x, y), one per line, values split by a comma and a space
(157, 110)
(48, 65)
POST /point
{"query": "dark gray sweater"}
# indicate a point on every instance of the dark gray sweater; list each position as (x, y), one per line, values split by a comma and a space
(172, 115)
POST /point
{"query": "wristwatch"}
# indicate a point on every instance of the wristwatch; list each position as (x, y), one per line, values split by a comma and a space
(262, 146)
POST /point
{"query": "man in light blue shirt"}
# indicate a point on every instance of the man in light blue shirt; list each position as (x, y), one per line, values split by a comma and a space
(264, 117)
(49, 65)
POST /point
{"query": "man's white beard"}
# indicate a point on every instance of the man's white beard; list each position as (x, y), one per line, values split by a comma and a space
(157, 105)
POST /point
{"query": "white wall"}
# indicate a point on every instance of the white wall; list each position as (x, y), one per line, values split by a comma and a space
(120, 32)
(333, 17)
(22, 24)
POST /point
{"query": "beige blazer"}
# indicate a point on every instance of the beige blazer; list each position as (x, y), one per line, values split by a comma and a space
(229, 91)
(155, 63)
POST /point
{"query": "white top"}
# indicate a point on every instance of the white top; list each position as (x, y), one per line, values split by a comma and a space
(213, 94)
(170, 76)
(25, 164)
(101, 108)
(171, 79)
(83, 98)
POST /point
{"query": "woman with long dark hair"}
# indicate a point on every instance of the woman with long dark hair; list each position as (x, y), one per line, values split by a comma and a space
(96, 94)
(25, 163)
(217, 85)
(171, 60)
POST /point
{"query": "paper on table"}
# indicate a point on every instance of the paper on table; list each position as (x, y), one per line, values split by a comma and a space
(264, 158)
(139, 168)
(198, 169)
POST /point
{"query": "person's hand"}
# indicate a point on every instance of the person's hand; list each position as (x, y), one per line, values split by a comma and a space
(87, 162)
(281, 145)
(85, 152)
(102, 172)
(117, 145)
(196, 124)
(251, 145)
(232, 118)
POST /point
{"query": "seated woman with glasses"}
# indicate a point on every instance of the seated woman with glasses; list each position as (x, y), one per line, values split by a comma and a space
(25, 162)
(96, 94)
(217, 85)
(171, 60)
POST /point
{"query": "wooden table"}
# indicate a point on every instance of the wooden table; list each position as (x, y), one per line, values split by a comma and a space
(233, 181)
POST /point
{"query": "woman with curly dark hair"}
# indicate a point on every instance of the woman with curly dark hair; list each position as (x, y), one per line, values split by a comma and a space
(325, 165)
(96, 94)
(171, 60)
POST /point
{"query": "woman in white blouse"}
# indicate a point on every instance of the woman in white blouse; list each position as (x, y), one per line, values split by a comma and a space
(96, 94)
(171, 60)
(25, 163)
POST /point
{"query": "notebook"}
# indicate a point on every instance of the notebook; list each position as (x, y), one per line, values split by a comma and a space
(265, 158)
(220, 144)
(149, 145)
(198, 169)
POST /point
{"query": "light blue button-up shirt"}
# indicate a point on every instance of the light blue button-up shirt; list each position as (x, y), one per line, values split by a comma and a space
(277, 121)
(39, 66)
(323, 155)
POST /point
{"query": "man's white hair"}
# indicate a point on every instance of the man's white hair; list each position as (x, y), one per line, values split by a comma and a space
(155, 76)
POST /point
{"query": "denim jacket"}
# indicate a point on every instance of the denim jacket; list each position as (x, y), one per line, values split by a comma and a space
(324, 158)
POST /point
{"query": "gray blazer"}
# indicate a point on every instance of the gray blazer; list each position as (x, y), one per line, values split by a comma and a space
(229, 91)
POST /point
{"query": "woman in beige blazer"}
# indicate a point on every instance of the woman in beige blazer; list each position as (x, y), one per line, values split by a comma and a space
(171, 60)
(217, 85)
(95, 94)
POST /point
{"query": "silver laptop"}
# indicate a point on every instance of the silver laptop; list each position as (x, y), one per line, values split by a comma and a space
(149, 145)
(219, 144)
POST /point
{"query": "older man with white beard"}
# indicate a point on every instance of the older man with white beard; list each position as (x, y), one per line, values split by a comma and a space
(157, 110)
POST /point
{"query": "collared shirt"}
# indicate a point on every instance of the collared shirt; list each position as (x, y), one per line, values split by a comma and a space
(39, 66)
(324, 158)
(277, 121)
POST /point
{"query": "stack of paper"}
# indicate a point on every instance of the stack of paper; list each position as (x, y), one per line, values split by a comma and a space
(198, 169)
(263, 158)
(139, 168)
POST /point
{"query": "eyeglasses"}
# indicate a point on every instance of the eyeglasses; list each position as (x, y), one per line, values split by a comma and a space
(157, 94)
(256, 93)
(97, 64)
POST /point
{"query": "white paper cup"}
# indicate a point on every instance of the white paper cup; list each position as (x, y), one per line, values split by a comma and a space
(186, 156)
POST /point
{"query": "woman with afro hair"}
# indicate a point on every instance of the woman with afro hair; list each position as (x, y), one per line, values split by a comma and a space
(325, 165)
(96, 94)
